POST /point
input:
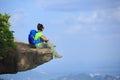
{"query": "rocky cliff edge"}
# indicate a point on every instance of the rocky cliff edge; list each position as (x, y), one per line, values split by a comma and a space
(24, 58)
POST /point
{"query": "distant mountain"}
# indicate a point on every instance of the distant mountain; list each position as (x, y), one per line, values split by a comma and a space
(30, 75)
(33, 75)
(1, 79)
(87, 77)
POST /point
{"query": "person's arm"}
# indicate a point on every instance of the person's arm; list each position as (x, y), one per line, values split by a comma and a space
(44, 38)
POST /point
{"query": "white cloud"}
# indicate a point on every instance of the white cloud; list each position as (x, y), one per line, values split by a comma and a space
(98, 20)
(43, 72)
(73, 29)
(92, 21)
(116, 13)
(17, 17)
(110, 16)
(87, 18)
(75, 5)
(45, 4)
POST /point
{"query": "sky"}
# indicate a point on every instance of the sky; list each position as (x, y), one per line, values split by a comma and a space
(86, 32)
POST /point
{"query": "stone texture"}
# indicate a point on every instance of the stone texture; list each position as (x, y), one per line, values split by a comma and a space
(25, 58)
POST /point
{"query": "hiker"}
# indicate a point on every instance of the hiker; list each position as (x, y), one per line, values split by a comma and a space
(40, 41)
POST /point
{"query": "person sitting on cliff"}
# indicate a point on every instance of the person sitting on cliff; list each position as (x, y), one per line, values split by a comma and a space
(44, 41)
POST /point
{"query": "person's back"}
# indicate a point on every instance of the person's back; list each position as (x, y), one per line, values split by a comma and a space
(31, 37)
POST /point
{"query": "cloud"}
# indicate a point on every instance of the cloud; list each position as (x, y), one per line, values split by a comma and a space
(76, 5)
(110, 16)
(43, 73)
(99, 21)
(87, 18)
(17, 17)
(116, 13)
(73, 29)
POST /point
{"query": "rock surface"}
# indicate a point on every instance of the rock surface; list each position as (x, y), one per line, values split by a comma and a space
(25, 58)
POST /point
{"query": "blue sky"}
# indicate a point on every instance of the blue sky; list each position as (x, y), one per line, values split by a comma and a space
(86, 32)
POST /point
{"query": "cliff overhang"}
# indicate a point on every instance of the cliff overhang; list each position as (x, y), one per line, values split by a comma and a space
(24, 58)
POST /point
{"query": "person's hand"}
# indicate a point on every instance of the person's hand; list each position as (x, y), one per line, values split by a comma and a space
(46, 40)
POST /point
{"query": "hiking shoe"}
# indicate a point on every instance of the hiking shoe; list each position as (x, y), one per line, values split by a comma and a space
(58, 56)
